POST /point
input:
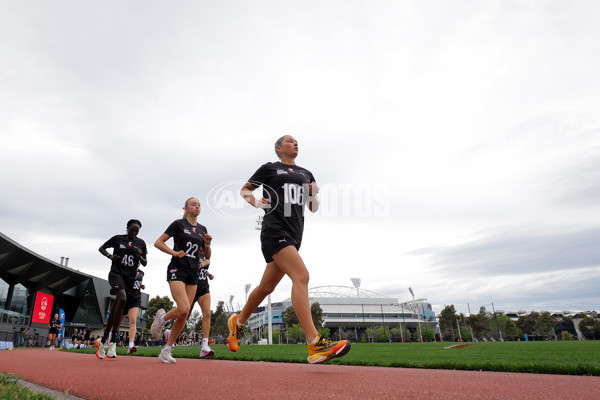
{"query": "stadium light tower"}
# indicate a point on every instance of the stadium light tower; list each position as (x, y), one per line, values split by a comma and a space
(231, 302)
(418, 314)
(356, 283)
(247, 289)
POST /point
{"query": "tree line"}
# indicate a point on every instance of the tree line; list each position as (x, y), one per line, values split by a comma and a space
(484, 325)
(487, 325)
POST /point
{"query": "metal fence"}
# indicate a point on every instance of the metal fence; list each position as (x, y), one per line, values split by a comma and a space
(24, 339)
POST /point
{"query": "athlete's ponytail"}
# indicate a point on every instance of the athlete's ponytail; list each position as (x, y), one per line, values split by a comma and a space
(185, 213)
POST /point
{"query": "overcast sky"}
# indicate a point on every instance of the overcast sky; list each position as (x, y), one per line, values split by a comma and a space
(457, 144)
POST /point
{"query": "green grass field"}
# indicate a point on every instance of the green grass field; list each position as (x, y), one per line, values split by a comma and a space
(562, 357)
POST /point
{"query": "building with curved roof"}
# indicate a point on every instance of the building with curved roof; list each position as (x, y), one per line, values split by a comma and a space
(33, 288)
(349, 312)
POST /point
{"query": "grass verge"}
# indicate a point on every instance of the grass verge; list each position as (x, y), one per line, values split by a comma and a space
(562, 357)
(11, 390)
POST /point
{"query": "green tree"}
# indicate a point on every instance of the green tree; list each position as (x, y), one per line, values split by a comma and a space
(427, 333)
(543, 324)
(217, 313)
(317, 315)
(447, 321)
(379, 333)
(526, 323)
(276, 334)
(295, 333)
(325, 332)
(398, 334)
(288, 317)
(465, 332)
(219, 328)
(565, 335)
(510, 329)
(588, 327)
(155, 304)
(193, 321)
(481, 323)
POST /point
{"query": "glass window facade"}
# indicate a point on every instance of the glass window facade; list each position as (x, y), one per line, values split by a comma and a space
(3, 293)
(88, 310)
(14, 310)
(20, 299)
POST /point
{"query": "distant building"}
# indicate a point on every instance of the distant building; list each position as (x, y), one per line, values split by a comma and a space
(348, 312)
(33, 289)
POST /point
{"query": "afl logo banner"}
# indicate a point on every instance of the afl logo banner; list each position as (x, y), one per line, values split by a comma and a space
(42, 309)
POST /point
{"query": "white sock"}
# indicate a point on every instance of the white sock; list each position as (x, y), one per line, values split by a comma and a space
(162, 319)
(204, 343)
(315, 340)
(168, 347)
(131, 344)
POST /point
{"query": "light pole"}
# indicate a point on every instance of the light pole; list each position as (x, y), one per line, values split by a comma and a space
(418, 315)
(247, 289)
(356, 283)
(270, 316)
(231, 302)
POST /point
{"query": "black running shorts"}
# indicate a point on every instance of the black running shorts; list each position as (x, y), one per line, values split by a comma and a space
(132, 302)
(202, 289)
(177, 273)
(272, 244)
(117, 282)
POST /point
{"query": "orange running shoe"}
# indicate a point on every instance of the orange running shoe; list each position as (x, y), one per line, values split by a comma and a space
(235, 333)
(324, 350)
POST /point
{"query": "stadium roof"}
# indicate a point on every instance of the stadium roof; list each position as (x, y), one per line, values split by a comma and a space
(343, 292)
(20, 265)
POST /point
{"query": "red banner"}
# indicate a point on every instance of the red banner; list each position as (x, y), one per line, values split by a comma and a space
(42, 308)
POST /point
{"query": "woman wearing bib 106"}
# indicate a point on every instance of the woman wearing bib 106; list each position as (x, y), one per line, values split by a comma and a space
(288, 188)
(189, 237)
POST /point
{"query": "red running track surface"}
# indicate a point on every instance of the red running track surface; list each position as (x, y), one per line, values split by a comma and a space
(130, 378)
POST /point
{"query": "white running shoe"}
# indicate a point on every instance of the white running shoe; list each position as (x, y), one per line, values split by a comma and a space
(208, 352)
(112, 350)
(157, 326)
(100, 353)
(166, 357)
(132, 349)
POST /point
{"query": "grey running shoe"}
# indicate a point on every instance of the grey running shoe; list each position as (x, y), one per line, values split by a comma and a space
(166, 357)
(157, 326)
(100, 353)
(112, 350)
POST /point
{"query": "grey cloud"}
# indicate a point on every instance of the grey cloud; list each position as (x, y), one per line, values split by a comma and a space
(519, 252)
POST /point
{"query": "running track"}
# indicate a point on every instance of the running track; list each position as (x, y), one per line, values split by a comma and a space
(85, 376)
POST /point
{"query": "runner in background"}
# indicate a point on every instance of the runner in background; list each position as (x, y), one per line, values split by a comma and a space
(203, 298)
(132, 308)
(129, 252)
(189, 236)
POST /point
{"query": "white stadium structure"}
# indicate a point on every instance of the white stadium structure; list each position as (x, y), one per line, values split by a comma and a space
(349, 311)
